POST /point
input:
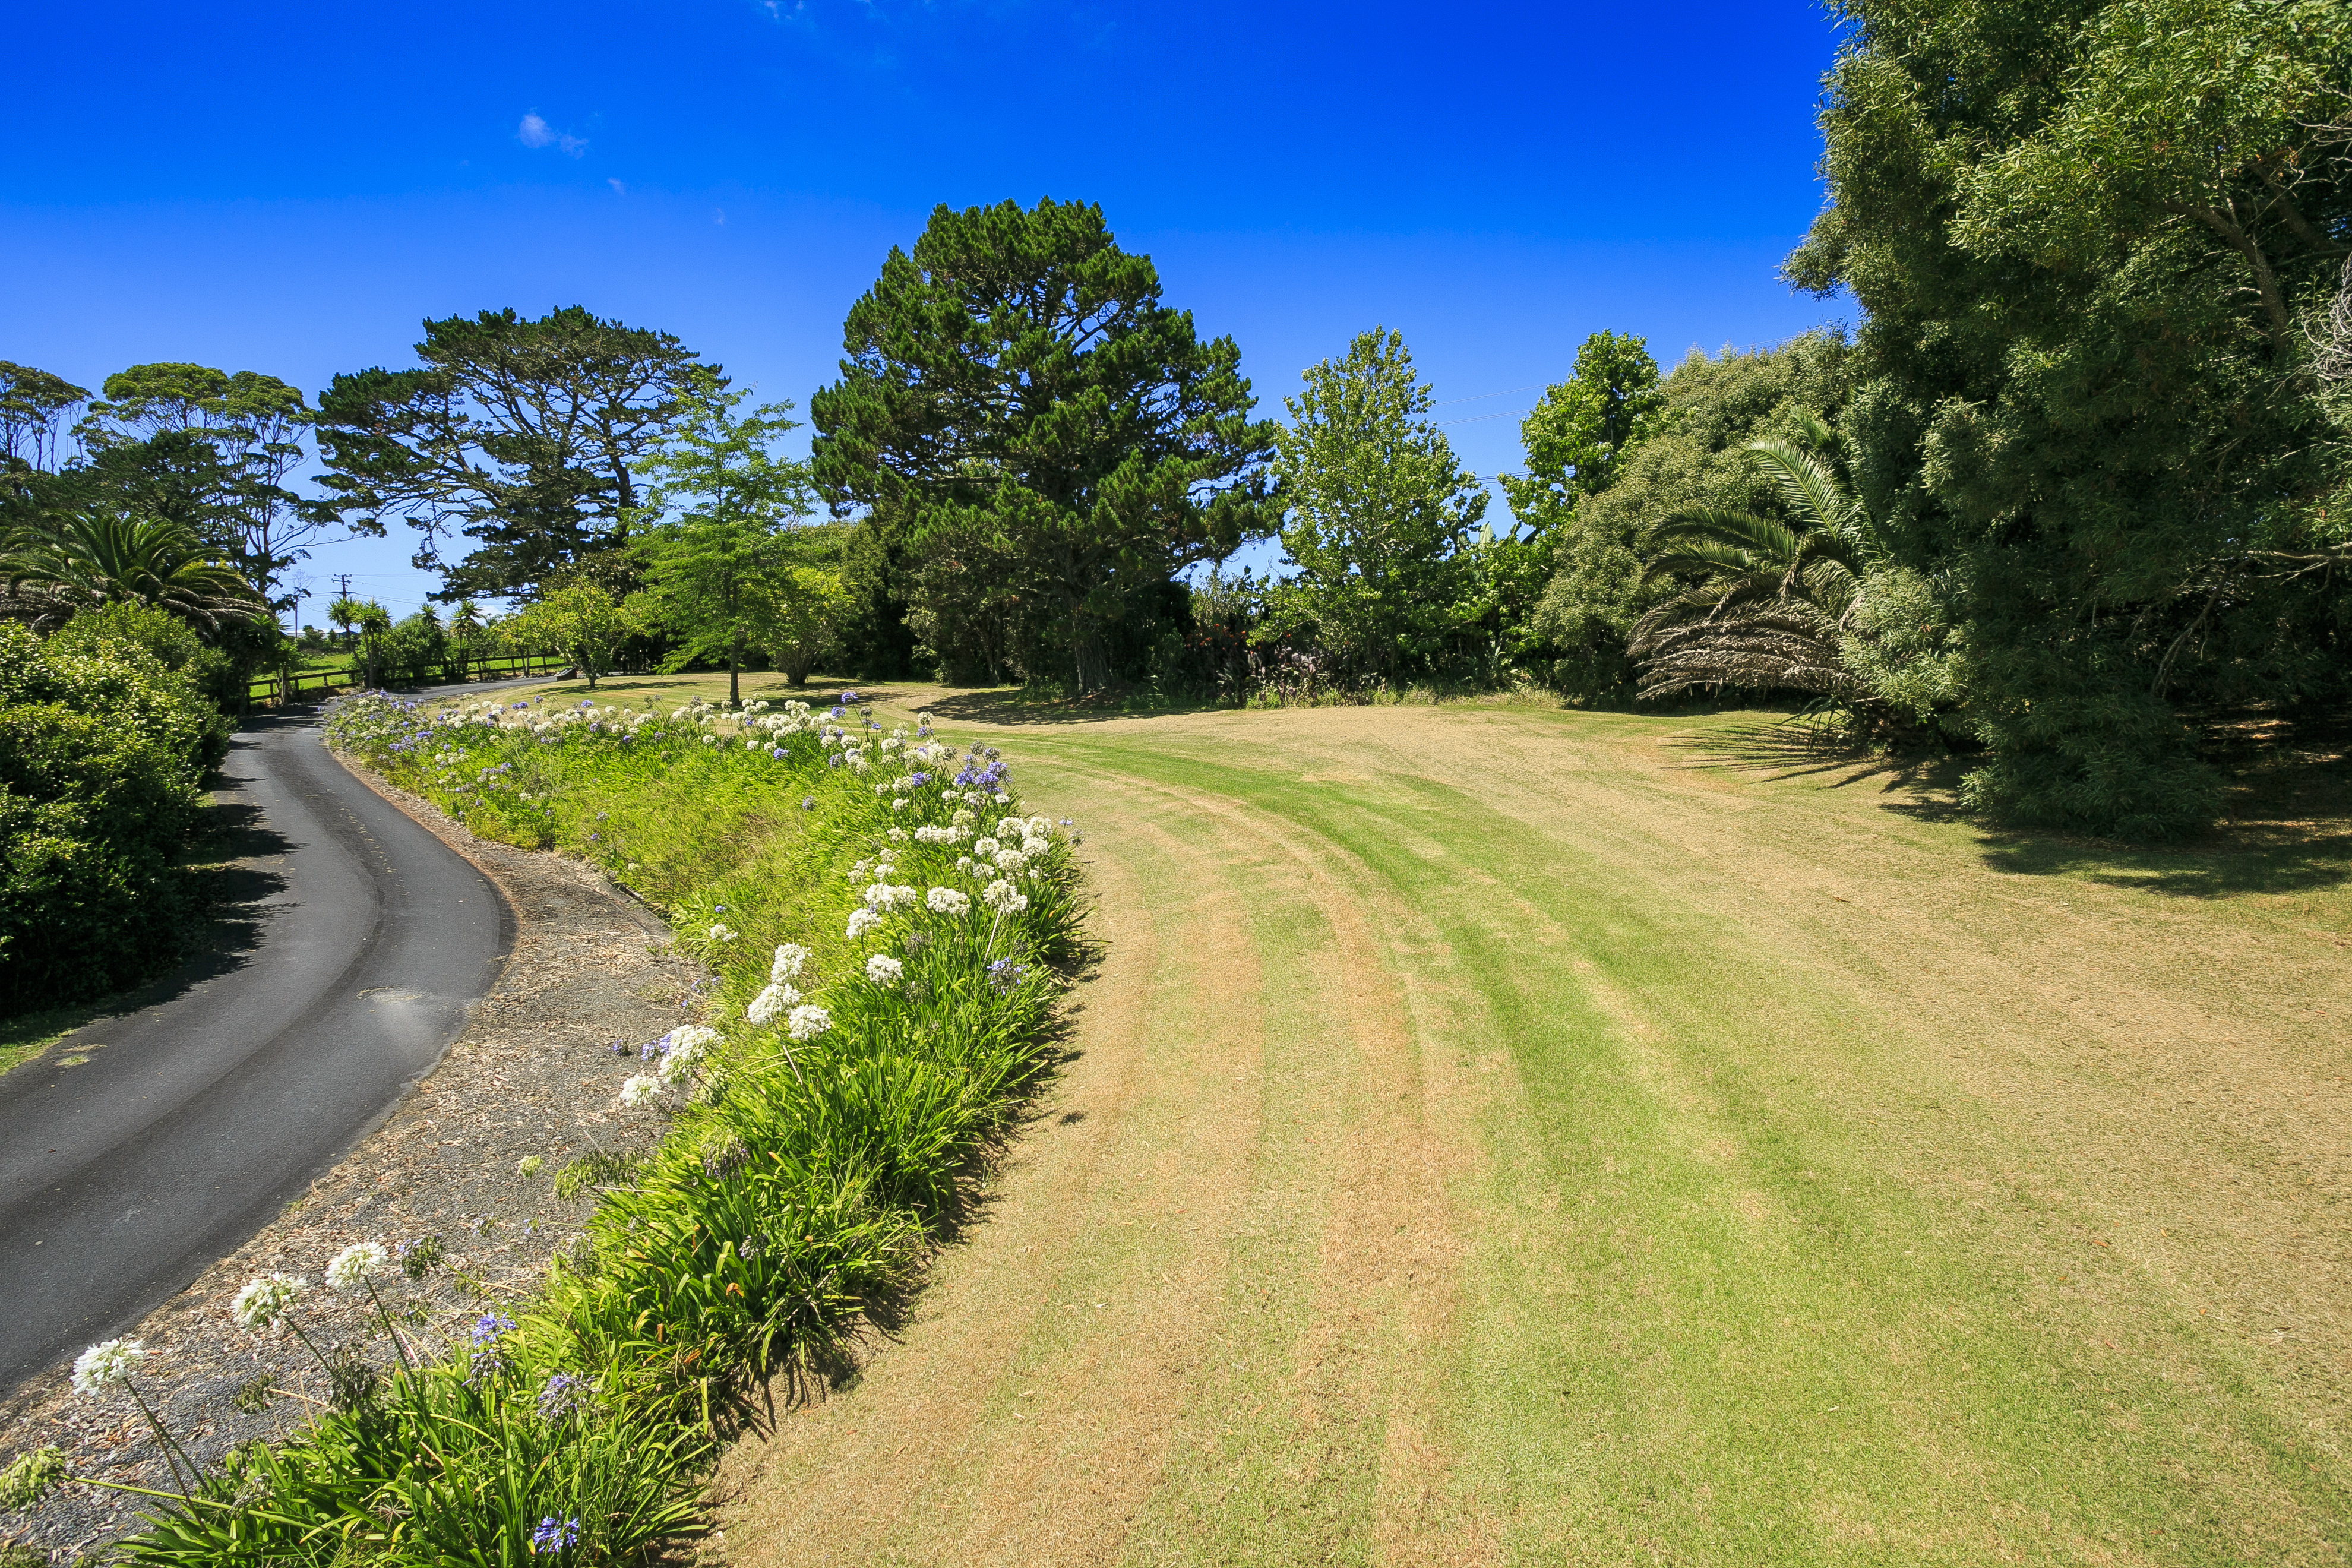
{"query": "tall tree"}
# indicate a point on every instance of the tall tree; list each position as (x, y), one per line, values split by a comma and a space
(1683, 450)
(2087, 236)
(33, 404)
(712, 532)
(1016, 382)
(1380, 514)
(214, 452)
(1578, 436)
(518, 435)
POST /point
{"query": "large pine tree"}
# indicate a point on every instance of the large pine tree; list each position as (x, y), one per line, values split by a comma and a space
(1014, 395)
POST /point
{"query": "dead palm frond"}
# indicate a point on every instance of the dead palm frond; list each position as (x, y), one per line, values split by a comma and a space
(1773, 598)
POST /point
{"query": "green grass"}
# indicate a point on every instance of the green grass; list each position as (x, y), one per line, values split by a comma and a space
(28, 1035)
(1864, 1367)
(1833, 1180)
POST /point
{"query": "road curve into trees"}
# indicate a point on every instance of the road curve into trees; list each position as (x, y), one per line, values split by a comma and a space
(193, 1120)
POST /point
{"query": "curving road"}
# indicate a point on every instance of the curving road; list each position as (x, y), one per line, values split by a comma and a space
(196, 1118)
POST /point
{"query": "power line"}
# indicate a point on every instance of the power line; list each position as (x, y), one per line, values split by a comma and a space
(1476, 396)
(1475, 419)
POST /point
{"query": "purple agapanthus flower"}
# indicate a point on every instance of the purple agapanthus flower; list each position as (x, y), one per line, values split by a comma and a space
(555, 1534)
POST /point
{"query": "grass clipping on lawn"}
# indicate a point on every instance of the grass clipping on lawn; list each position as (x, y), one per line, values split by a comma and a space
(883, 928)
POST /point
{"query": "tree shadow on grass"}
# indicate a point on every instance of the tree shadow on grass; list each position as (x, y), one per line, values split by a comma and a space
(2287, 825)
(1016, 705)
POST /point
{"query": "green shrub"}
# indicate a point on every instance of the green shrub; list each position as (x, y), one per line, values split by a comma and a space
(99, 756)
(215, 676)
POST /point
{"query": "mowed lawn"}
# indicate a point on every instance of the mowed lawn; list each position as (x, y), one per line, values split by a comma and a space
(1498, 1135)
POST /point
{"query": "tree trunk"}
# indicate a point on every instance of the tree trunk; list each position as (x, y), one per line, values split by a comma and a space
(735, 669)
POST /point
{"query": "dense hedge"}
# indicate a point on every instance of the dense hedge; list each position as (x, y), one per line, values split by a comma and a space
(102, 749)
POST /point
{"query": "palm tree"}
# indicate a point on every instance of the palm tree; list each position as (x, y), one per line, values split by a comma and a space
(1774, 600)
(71, 560)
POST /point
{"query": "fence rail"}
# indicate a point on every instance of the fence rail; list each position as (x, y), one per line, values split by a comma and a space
(273, 690)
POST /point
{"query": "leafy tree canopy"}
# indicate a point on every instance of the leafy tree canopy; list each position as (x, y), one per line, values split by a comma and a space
(33, 403)
(1578, 436)
(518, 435)
(1014, 386)
(2087, 238)
(713, 534)
(1684, 451)
(1380, 514)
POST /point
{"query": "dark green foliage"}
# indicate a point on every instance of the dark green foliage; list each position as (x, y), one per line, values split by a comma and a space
(1038, 441)
(1686, 451)
(99, 756)
(517, 435)
(414, 649)
(2088, 238)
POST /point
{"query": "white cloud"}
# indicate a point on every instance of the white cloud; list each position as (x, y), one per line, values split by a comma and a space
(618, 189)
(719, 216)
(535, 133)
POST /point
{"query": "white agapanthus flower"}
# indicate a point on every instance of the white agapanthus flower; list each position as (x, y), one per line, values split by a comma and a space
(884, 969)
(948, 901)
(639, 1089)
(985, 847)
(723, 933)
(1010, 861)
(963, 864)
(1002, 798)
(897, 834)
(356, 1264)
(105, 1364)
(964, 818)
(889, 896)
(770, 1005)
(678, 1061)
(898, 805)
(1004, 898)
(808, 1021)
(789, 959)
(1011, 828)
(1032, 847)
(862, 920)
(264, 1300)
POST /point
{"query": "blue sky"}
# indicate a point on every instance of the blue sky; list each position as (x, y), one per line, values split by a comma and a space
(291, 189)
